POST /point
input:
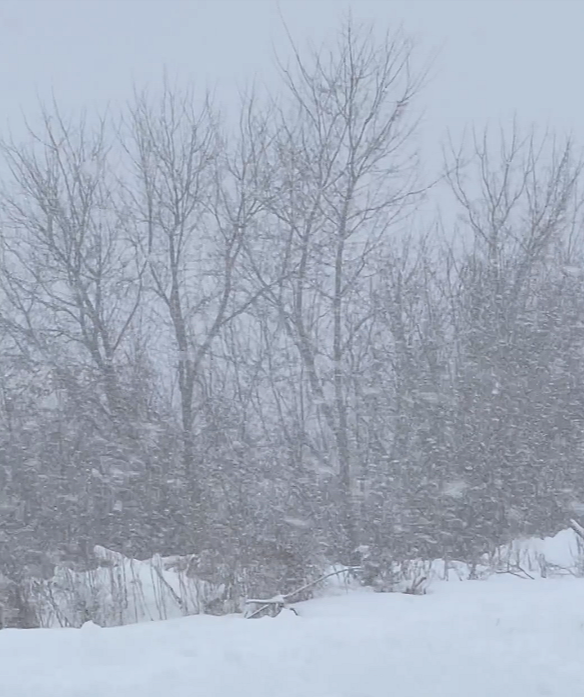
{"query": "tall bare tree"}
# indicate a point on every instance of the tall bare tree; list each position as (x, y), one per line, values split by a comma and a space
(194, 202)
(520, 203)
(344, 177)
(71, 277)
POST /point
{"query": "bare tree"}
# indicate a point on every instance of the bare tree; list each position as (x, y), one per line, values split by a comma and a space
(520, 205)
(343, 177)
(193, 204)
(516, 203)
(71, 288)
(69, 273)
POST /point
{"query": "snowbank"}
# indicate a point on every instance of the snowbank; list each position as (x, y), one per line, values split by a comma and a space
(125, 591)
(563, 553)
(122, 591)
(505, 636)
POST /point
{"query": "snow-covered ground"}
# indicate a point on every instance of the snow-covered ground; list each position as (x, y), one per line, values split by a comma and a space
(505, 637)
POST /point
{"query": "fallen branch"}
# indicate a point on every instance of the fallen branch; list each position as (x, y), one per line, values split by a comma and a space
(281, 601)
(577, 528)
(416, 587)
(516, 570)
(558, 568)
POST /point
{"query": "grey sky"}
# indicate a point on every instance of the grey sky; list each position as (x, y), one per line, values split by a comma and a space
(497, 57)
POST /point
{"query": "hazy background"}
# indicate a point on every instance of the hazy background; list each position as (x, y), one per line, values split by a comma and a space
(342, 388)
(496, 58)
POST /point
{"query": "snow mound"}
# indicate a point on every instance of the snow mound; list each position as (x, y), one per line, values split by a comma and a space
(562, 552)
(122, 591)
(125, 591)
(503, 637)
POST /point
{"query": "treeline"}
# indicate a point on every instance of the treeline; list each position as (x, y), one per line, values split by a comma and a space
(246, 344)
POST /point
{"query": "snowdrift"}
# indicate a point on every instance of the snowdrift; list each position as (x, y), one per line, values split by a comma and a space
(125, 591)
(122, 591)
(505, 636)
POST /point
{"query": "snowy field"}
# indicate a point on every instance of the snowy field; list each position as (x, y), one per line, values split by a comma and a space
(502, 637)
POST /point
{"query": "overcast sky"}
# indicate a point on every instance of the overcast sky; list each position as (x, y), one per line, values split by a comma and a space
(496, 57)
